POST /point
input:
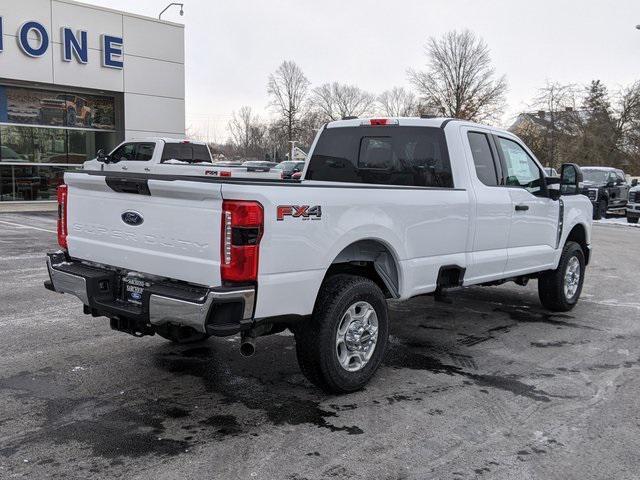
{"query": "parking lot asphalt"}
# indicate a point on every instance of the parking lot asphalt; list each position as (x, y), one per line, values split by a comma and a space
(488, 386)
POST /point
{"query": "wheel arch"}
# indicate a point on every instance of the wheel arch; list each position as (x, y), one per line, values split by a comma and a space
(373, 258)
(578, 234)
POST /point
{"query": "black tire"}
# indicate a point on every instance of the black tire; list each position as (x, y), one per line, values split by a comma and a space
(316, 338)
(632, 219)
(180, 335)
(551, 283)
(600, 210)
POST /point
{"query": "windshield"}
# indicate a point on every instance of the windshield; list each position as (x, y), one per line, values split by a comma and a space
(595, 176)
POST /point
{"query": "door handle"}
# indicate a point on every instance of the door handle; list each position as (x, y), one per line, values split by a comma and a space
(147, 169)
(124, 167)
(522, 208)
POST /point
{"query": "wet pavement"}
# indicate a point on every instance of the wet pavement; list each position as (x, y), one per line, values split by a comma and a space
(488, 386)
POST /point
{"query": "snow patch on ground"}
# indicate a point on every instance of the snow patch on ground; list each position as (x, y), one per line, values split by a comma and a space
(616, 222)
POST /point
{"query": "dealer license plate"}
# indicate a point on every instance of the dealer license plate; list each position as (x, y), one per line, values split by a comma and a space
(132, 289)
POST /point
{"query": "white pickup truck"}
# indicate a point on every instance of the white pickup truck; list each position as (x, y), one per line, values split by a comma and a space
(169, 156)
(387, 208)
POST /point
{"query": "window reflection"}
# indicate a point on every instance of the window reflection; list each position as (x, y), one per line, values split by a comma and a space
(52, 145)
(30, 182)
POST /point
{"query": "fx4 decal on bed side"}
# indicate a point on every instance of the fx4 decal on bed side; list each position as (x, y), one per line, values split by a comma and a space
(299, 211)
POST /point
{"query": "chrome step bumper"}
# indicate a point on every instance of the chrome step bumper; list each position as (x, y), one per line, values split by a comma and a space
(215, 311)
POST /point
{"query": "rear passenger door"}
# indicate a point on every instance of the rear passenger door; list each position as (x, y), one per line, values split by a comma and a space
(493, 209)
(535, 217)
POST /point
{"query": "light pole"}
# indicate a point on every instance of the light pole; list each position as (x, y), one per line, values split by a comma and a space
(293, 148)
(181, 5)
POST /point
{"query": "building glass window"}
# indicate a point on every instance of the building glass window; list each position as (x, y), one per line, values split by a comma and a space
(44, 133)
(30, 181)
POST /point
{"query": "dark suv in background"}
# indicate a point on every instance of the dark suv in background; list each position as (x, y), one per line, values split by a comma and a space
(606, 187)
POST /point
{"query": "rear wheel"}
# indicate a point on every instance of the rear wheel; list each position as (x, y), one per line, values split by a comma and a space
(340, 348)
(632, 219)
(559, 289)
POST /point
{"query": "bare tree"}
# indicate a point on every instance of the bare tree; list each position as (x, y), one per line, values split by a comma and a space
(460, 80)
(398, 102)
(247, 133)
(335, 101)
(556, 104)
(288, 88)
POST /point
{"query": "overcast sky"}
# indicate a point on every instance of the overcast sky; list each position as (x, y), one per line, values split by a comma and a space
(232, 46)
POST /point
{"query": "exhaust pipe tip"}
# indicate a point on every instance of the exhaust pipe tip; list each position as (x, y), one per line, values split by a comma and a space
(247, 347)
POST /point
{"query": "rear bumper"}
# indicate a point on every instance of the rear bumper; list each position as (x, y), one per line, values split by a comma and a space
(214, 311)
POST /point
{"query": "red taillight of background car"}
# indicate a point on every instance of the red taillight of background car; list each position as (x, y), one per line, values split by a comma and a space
(225, 173)
(62, 193)
(242, 227)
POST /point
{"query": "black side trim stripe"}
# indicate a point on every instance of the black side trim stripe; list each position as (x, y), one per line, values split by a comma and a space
(119, 184)
(131, 182)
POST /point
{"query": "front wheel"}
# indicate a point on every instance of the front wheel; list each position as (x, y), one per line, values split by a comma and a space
(632, 219)
(340, 348)
(559, 289)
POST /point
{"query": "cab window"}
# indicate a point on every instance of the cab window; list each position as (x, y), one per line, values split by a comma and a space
(521, 170)
(483, 158)
(185, 153)
(405, 156)
(140, 152)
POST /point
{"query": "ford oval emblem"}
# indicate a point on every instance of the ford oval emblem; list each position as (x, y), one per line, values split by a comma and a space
(132, 218)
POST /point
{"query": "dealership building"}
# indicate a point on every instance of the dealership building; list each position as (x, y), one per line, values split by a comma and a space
(75, 78)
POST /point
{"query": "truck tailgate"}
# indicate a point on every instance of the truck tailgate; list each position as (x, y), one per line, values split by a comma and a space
(174, 231)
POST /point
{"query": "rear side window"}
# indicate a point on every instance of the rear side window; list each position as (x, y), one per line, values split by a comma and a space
(186, 152)
(141, 152)
(407, 156)
(483, 158)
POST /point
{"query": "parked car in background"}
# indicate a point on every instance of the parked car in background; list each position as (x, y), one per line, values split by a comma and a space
(551, 172)
(258, 165)
(633, 205)
(606, 187)
(288, 168)
(162, 155)
(9, 155)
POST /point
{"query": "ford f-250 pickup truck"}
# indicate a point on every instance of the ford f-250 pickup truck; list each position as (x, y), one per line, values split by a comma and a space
(387, 208)
(169, 156)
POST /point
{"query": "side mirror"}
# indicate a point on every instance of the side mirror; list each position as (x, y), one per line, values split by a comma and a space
(570, 179)
(102, 156)
(634, 182)
(619, 182)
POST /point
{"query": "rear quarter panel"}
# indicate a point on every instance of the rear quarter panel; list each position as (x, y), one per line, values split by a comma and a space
(422, 228)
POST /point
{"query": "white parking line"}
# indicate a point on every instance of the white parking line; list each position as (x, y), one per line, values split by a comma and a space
(19, 225)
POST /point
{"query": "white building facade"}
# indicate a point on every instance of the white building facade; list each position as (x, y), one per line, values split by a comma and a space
(75, 78)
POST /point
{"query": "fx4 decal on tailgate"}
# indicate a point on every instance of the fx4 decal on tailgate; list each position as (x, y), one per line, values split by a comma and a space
(299, 211)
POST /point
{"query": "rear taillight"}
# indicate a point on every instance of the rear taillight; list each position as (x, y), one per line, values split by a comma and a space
(225, 173)
(62, 215)
(242, 226)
